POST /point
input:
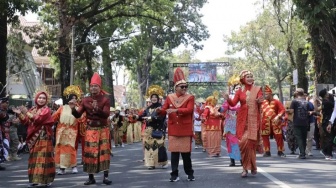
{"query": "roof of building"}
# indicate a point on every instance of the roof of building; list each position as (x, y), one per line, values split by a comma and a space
(40, 61)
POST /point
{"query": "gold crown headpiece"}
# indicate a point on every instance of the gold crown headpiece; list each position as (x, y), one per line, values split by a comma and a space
(72, 89)
(213, 99)
(234, 80)
(155, 89)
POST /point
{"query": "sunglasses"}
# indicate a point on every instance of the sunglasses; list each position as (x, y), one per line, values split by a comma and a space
(183, 87)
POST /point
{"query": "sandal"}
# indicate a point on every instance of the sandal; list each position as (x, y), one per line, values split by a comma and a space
(253, 172)
(244, 174)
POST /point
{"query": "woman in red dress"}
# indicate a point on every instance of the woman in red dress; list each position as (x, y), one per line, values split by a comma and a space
(248, 120)
(41, 163)
(212, 120)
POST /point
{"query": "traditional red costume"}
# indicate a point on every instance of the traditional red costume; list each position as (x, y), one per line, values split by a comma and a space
(97, 136)
(41, 164)
(272, 109)
(248, 121)
(180, 126)
(212, 121)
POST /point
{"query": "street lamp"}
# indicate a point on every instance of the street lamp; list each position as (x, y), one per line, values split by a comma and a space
(72, 56)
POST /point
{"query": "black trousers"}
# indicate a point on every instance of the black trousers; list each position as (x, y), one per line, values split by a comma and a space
(327, 141)
(175, 158)
(317, 136)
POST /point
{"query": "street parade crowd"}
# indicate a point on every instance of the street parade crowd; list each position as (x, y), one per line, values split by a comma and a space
(247, 120)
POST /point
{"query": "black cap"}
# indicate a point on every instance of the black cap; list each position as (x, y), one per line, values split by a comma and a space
(322, 93)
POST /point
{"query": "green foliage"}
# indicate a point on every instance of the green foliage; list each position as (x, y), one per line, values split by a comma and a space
(14, 8)
(319, 17)
(16, 56)
(270, 43)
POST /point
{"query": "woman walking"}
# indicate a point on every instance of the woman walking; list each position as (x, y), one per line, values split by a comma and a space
(212, 118)
(41, 164)
(66, 132)
(230, 124)
(248, 121)
(155, 151)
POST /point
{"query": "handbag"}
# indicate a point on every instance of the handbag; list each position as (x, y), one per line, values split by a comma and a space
(162, 154)
(157, 134)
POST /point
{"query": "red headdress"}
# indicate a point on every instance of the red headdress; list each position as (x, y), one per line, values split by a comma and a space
(179, 77)
(97, 80)
(268, 89)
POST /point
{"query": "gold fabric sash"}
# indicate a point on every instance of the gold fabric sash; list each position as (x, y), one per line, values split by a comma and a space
(253, 113)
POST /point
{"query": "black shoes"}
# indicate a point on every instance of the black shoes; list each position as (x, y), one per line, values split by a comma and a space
(90, 182)
(281, 154)
(232, 162)
(267, 154)
(106, 181)
(191, 178)
(2, 168)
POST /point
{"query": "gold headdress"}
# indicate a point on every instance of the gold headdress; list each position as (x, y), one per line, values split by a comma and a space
(234, 80)
(244, 73)
(212, 100)
(154, 89)
(72, 89)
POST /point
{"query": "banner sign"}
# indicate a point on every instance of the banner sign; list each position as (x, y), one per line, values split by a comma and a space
(207, 83)
(201, 72)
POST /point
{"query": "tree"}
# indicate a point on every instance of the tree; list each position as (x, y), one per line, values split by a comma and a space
(265, 46)
(319, 17)
(16, 51)
(295, 38)
(181, 25)
(91, 13)
(8, 15)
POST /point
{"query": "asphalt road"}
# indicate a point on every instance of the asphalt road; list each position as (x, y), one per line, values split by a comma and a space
(127, 171)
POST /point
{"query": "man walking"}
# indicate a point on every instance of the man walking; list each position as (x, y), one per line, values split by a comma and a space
(272, 112)
(301, 110)
(97, 145)
(180, 108)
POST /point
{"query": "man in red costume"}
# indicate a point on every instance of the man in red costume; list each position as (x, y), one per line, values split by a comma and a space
(180, 108)
(272, 111)
(97, 135)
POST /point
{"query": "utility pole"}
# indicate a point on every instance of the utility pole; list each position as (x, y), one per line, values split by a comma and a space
(72, 55)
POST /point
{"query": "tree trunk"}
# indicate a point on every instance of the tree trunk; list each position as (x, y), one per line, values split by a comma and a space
(279, 88)
(88, 60)
(65, 63)
(63, 45)
(3, 48)
(324, 62)
(108, 72)
(301, 60)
